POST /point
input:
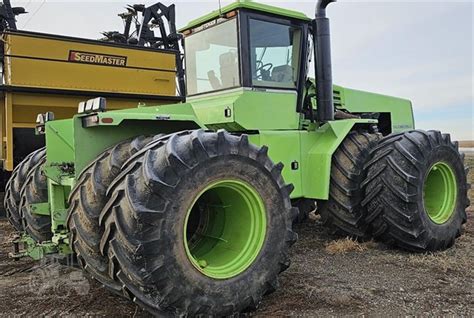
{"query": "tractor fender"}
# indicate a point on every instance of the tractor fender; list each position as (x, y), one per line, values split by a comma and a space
(317, 155)
(307, 155)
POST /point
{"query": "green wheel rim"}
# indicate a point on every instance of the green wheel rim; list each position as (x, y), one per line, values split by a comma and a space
(440, 193)
(225, 228)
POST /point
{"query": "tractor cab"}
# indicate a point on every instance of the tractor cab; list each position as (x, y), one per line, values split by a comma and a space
(249, 63)
(247, 45)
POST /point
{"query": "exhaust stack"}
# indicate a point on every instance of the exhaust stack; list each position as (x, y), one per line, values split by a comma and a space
(322, 57)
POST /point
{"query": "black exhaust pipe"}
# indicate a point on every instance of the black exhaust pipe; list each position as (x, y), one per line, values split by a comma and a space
(323, 67)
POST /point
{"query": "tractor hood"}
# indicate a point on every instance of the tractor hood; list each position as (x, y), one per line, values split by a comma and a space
(236, 110)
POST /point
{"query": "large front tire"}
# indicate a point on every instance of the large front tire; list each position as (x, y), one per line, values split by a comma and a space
(14, 186)
(35, 191)
(416, 191)
(199, 224)
(342, 214)
(86, 201)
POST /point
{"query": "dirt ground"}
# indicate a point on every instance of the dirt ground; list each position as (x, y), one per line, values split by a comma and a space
(327, 278)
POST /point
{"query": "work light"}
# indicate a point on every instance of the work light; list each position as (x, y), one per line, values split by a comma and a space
(98, 104)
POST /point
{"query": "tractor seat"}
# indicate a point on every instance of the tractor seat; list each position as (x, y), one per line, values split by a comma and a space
(283, 74)
(229, 66)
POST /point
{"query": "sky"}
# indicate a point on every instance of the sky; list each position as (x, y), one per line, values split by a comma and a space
(419, 50)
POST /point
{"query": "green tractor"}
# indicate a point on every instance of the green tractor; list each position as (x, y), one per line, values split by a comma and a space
(188, 209)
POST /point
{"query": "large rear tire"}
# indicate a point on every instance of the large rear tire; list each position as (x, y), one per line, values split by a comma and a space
(86, 201)
(199, 224)
(14, 186)
(416, 191)
(342, 214)
(35, 191)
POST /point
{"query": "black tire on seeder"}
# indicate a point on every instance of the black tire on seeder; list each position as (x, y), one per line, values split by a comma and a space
(342, 214)
(172, 219)
(416, 191)
(14, 185)
(86, 201)
(34, 191)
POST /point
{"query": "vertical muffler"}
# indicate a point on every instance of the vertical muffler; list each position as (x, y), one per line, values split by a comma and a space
(323, 67)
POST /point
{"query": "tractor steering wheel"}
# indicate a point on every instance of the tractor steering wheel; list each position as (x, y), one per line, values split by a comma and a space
(263, 71)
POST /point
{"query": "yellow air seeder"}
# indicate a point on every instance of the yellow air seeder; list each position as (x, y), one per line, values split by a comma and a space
(43, 72)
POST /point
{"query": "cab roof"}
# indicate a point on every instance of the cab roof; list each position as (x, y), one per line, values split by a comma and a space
(250, 5)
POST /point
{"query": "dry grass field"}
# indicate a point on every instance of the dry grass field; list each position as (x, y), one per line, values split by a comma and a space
(466, 144)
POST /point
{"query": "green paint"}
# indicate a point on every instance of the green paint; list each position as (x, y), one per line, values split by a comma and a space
(233, 110)
(57, 209)
(33, 249)
(317, 149)
(170, 113)
(89, 143)
(60, 141)
(284, 147)
(40, 208)
(57, 196)
(440, 193)
(359, 102)
(249, 5)
(249, 110)
(312, 150)
(400, 110)
(225, 228)
(61, 241)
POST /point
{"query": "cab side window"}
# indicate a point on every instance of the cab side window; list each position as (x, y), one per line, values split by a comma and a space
(274, 54)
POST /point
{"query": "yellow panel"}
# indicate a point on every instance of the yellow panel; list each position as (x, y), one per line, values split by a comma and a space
(27, 106)
(24, 125)
(59, 75)
(20, 111)
(2, 127)
(58, 48)
(54, 101)
(49, 62)
(8, 164)
(39, 61)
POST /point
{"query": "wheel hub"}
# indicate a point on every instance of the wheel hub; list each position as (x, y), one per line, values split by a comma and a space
(225, 229)
(440, 193)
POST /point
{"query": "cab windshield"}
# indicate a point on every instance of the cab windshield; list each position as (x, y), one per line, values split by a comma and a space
(212, 59)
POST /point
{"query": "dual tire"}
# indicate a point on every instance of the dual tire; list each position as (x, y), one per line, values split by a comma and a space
(15, 185)
(408, 190)
(195, 223)
(28, 186)
(87, 200)
(342, 214)
(416, 191)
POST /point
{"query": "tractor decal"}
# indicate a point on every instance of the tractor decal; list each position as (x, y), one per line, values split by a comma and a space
(94, 58)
